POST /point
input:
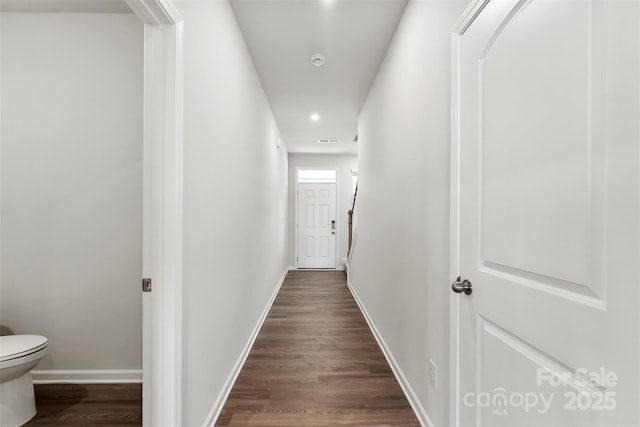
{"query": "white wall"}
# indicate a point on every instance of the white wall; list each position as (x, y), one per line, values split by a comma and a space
(400, 265)
(72, 186)
(344, 164)
(235, 204)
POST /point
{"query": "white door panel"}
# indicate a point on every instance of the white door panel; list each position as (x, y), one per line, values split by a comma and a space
(549, 214)
(316, 225)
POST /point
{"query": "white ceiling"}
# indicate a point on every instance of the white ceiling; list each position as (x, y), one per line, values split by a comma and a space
(282, 35)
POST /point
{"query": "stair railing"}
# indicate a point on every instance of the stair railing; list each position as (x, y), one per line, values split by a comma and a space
(350, 212)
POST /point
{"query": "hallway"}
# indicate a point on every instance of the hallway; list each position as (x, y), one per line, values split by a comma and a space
(494, 247)
(316, 363)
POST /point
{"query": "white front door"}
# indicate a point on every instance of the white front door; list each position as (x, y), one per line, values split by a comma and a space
(317, 225)
(549, 198)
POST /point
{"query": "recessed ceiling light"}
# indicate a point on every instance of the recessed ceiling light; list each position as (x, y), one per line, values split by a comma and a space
(314, 117)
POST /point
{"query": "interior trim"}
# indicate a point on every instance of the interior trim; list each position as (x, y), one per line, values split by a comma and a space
(464, 22)
(162, 210)
(99, 376)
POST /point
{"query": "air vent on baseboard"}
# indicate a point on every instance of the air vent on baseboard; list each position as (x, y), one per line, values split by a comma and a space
(328, 141)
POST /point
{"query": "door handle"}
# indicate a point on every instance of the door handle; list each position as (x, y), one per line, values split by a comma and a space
(333, 224)
(459, 287)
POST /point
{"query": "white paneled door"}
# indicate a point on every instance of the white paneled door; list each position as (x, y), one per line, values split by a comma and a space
(549, 214)
(317, 225)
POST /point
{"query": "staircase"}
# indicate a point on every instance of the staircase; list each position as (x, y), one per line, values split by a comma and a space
(351, 228)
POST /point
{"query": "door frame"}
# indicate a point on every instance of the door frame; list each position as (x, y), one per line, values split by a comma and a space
(458, 30)
(295, 210)
(162, 210)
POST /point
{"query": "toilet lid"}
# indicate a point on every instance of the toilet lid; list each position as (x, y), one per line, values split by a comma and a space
(14, 346)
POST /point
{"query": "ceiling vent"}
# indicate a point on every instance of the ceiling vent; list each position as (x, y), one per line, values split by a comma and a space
(328, 141)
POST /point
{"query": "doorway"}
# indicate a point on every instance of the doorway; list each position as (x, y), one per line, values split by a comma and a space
(547, 213)
(316, 225)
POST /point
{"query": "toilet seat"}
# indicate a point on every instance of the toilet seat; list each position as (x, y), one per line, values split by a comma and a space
(17, 346)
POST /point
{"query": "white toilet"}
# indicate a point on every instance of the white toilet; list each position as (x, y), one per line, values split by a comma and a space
(18, 355)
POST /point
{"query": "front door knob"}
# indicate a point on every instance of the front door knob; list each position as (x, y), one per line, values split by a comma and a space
(461, 286)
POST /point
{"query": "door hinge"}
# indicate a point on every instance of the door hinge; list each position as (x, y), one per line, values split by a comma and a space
(146, 285)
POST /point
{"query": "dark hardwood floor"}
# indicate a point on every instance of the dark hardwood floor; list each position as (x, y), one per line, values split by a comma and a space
(87, 405)
(316, 363)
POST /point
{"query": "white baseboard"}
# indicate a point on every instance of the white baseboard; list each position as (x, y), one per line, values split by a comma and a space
(419, 410)
(292, 267)
(102, 376)
(218, 404)
(338, 268)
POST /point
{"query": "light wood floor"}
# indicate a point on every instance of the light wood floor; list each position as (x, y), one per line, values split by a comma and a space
(316, 363)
